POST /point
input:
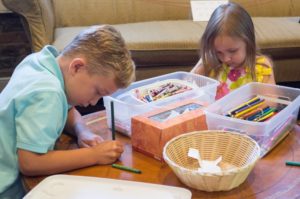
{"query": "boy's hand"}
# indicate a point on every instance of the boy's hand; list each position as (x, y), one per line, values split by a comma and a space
(88, 139)
(108, 152)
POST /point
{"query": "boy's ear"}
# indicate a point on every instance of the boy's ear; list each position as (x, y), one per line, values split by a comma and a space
(77, 65)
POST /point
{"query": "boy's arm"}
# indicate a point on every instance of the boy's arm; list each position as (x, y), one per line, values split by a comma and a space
(76, 126)
(198, 68)
(32, 164)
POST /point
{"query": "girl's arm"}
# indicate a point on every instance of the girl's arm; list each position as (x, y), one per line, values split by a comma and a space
(33, 164)
(269, 79)
(198, 68)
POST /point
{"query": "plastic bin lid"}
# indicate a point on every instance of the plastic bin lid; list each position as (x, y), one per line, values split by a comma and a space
(78, 187)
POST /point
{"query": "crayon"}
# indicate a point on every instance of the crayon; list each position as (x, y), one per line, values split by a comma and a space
(125, 168)
(290, 163)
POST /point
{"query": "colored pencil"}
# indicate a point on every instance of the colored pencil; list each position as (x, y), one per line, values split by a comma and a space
(249, 109)
(247, 106)
(253, 113)
(265, 117)
(240, 106)
(263, 114)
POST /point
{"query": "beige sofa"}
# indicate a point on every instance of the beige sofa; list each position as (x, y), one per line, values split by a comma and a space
(160, 33)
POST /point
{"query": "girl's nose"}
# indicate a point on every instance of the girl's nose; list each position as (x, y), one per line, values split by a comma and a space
(226, 58)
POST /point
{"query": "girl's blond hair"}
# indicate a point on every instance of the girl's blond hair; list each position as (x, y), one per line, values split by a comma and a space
(105, 52)
(231, 20)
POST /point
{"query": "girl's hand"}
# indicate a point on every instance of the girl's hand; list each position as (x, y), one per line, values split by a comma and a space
(88, 139)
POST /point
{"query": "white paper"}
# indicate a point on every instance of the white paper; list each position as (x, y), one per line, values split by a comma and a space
(194, 153)
(202, 9)
(172, 115)
(208, 166)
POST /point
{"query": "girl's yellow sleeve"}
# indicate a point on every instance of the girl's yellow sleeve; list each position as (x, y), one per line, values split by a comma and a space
(262, 68)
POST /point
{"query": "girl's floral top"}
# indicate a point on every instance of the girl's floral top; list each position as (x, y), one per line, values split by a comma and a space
(232, 78)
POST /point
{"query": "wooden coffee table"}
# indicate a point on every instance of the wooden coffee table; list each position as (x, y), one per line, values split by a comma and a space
(270, 179)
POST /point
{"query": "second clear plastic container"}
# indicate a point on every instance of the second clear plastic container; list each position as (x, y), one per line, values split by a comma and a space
(265, 133)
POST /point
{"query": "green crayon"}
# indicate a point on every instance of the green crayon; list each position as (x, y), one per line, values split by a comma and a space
(290, 163)
(125, 168)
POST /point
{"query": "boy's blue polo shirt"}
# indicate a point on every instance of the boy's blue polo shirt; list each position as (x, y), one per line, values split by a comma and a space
(33, 112)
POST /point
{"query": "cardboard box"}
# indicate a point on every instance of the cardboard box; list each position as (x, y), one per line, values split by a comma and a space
(151, 130)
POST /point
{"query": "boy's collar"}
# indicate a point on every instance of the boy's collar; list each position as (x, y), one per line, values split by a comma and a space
(47, 58)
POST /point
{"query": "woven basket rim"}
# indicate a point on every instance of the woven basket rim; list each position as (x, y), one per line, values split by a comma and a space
(222, 173)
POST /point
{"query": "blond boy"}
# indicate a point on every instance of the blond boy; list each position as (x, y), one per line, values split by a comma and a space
(38, 104)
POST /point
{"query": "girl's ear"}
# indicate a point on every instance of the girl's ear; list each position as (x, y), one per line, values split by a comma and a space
(77, 65)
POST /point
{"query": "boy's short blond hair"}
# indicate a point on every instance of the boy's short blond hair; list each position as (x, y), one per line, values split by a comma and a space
(105, 52)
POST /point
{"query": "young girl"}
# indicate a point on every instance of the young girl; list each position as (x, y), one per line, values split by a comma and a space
(228, 51)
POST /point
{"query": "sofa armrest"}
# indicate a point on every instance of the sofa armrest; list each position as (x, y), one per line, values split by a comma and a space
(39, 16)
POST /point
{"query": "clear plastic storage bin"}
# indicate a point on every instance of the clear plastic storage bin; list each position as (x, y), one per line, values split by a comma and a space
(266, 133)
(126, 105)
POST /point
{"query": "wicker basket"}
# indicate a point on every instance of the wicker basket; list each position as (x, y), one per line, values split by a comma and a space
(239, 154)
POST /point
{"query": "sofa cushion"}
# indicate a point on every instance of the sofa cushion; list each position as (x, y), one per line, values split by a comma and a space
(89, 12)
(277, 32)
(176, 42)
(150, 36)
(152, 43)
(271, 8)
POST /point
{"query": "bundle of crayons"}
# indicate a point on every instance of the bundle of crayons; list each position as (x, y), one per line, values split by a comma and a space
(163, 91)
(254, 109)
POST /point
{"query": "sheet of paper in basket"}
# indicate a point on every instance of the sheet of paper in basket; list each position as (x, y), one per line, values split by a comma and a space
(79, 187)
(202, 9)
